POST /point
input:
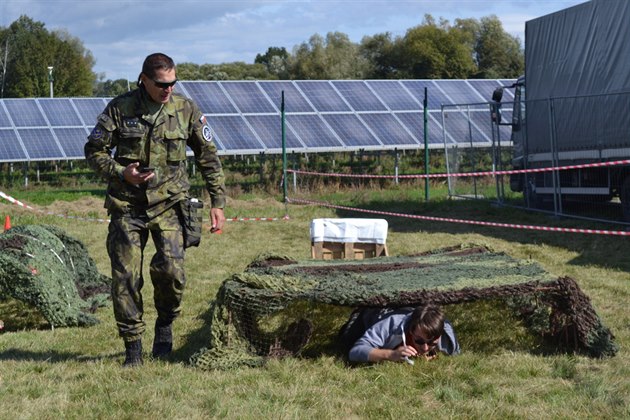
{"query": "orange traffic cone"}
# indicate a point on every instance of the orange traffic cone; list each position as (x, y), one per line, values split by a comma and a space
(7, 223)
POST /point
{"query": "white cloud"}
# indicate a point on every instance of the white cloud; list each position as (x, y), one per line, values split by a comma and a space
(120, 33)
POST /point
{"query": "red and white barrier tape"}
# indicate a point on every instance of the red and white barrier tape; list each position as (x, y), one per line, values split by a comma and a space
(65, 216)
(256, 219)
(14, 201)
(462, 174)
(464, 221)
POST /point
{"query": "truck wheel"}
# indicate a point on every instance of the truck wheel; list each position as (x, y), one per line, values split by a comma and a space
(625, 199)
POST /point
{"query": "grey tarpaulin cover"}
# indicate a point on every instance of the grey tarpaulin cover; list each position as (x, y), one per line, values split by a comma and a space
(580, 56)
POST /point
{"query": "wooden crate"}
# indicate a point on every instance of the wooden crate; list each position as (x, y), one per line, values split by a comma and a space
(347, 250)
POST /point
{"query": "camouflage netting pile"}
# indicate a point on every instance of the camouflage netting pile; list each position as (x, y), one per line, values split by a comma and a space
(44, 267)
(278, 307)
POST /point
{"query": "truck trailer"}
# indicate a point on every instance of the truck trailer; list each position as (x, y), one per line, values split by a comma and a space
(572, 107)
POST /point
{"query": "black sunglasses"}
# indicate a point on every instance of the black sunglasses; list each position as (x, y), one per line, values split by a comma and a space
(421, 342)
(164, 85)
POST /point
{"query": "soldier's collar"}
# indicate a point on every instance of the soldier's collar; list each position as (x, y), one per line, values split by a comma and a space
(150, 110)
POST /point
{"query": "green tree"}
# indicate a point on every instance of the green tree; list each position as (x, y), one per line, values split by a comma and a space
(276, 61)
(333, 57)
(436, 51)
(32, 49)
(382, 52)
(112, 88)
(73, 65)
(498, 54)
(237, 70)
(189, 71)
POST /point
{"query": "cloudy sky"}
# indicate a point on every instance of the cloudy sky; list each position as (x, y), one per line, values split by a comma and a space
(120, 33)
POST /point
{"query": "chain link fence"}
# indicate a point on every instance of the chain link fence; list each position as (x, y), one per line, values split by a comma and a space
(570, 157)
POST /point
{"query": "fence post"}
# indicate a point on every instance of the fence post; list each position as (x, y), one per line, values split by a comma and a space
(555, 174)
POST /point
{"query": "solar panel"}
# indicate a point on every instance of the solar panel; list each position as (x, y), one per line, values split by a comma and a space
(249, 98)
(4, 117)
(209, 97)
(321, 115)
(313, 131)
(60, 112)
(414, 121)
(233, 133)
(485, 88)
(25, 113)
(40, 144)
(89, 109)
(435, 97)
(351, 130)
(293, 98)
(11, 149)
(460, 92)
(323, 96)
(481, 119)
(394, 95)
(269, 129)
(358, 95)
(389, 129)
(72, 140)
(463, 129)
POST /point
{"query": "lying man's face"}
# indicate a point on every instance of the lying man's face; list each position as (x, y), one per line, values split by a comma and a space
(418, 340)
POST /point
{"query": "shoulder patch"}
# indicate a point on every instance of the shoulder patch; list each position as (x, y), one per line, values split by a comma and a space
(106, 122)
(96, 133)
(103, 118)
(207, 133)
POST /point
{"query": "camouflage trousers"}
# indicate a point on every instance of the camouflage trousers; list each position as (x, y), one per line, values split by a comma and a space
(126, 242)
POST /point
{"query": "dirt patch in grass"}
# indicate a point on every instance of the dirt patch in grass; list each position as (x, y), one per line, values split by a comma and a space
(85, 206)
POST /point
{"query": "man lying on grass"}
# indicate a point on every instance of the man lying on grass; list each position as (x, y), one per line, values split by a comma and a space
(399, 334)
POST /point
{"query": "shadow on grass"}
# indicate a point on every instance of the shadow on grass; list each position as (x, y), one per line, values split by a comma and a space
(52, 356)
(194, 340)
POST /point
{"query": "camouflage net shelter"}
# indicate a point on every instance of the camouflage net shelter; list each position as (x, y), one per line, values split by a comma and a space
(53, 272)
(279, 307)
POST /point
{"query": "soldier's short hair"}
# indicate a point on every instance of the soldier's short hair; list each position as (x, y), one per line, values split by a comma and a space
(155, 62)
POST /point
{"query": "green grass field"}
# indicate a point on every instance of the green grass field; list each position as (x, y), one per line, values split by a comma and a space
(76, 372)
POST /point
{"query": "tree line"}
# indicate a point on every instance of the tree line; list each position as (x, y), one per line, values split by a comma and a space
(435, 49)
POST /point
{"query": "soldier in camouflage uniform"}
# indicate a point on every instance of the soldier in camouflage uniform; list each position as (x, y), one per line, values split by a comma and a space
(148, 129)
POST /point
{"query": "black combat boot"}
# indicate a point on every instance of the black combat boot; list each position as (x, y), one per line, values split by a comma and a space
(163, 342)
(133, 353)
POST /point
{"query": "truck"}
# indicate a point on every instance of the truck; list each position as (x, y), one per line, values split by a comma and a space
(571, 108)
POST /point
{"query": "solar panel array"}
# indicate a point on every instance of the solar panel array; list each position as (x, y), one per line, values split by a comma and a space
(245, 116)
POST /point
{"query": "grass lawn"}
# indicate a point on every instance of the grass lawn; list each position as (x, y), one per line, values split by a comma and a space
(76, 372)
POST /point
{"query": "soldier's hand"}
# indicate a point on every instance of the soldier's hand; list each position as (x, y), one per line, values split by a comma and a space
(217, 218)
(133, 175)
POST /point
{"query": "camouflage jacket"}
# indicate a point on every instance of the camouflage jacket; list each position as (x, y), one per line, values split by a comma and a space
(132, 128)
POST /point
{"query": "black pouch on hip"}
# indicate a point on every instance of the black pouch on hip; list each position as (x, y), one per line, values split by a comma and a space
(192, 212)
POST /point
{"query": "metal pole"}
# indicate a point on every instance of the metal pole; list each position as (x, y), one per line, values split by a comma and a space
(472, 153)
(448, 165)
(294, 175)
(284, 151)
(555, 160)
(496, 149)
(50, 79)
(4, 65)
(396, 166)
(426, 147)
